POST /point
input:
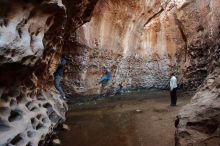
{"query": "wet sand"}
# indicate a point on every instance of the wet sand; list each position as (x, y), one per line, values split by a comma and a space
(141, 118)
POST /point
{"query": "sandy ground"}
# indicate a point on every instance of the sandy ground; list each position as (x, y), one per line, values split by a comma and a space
(138, 119)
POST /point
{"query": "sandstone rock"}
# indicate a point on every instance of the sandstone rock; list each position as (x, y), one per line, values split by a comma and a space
(140, 42)
(35, 123)
(23, 26)
(198, 122)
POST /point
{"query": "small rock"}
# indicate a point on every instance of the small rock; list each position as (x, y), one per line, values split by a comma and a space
(138, 111)
(66, 127)
(56, 142)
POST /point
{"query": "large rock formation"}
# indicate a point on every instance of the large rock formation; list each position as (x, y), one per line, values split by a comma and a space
(29, 108)
(142, 42)
(133, 38)
(31, 40)
(198, 122)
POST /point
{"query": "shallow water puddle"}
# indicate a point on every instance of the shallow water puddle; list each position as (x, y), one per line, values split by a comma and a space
(135, 122)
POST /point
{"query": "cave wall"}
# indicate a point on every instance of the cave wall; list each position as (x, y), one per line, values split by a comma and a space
(137, 40)
(198, 122)
(32, 35)
(29, 108)
(142, 42)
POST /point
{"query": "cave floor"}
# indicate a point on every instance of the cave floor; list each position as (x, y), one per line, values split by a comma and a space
(142, 118)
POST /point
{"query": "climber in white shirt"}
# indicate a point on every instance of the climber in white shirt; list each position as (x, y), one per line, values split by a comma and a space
(173, 89)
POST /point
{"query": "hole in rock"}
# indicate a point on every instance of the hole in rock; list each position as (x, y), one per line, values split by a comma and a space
(29, 105)
(39, 126)
(21, 98)
(49, 20)
(32, 95)
(37, 32)
(17, 140)
(13, 102)
(15, 115)
(49, 108)
(39, 116)
(200, 28)
(29, 144)
(19, 32)
(205, 126)
(34, 108)
(34, 123)
(47, 105)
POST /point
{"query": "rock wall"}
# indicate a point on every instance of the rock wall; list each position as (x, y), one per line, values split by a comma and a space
(135, 39)
(29, 108)
(142, 42)
(31, 40)
(198, 122)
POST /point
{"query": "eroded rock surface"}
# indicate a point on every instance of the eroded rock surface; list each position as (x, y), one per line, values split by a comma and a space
(30, 109)
(31, 40)
(31, 119)
(198, 122)
(142, 42)
(130, 37)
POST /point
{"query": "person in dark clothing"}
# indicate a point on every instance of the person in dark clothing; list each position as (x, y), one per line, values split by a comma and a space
(173, 89)
(122, 88)
(58, 75)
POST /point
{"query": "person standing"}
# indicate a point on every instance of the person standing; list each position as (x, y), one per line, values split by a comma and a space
(58, 75)
(173, 89)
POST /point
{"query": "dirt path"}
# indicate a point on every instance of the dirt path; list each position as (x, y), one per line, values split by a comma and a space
(143, 119)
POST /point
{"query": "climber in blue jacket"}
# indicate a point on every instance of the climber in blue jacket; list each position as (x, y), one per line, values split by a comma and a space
(106, 75)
